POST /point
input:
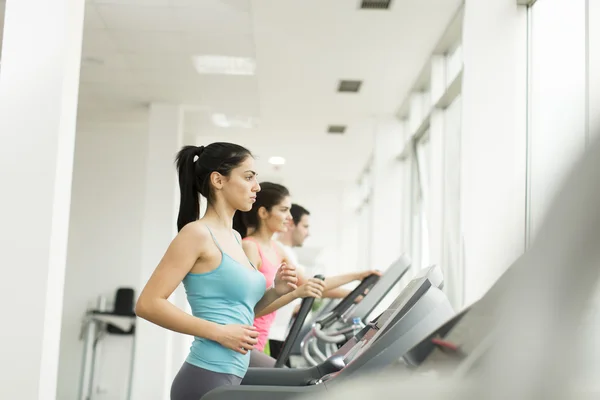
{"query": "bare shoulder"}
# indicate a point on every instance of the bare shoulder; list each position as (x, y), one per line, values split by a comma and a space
(250, 247)
(195, 235)
(251, 250)
(281, 251)
(237, 235)
(279, 248)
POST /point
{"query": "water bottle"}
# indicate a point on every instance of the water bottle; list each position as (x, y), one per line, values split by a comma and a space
(357, 325)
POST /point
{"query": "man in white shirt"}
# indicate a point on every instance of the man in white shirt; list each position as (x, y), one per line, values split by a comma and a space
(297, 232)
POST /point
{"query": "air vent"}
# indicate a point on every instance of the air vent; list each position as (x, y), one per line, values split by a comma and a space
(349, 86)
(336, 129)
(375, 4)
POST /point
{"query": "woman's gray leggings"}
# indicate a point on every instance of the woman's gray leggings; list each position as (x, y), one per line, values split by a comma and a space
(258, 359)
(191, 382)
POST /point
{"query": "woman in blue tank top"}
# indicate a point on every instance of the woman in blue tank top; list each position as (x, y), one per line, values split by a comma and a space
(223, 288)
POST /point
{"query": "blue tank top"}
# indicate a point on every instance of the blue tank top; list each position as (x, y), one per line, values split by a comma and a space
(225, 295)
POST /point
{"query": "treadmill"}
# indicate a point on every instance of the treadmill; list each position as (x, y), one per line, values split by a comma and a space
(534, 309)
(322, 338)
(420, 308)
(329, 305)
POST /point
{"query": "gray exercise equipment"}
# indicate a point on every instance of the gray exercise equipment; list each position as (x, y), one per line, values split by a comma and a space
(522, 339)
(322, 339)
(97, 323)
(420, 308)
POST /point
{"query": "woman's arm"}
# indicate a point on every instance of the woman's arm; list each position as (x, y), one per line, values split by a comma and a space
(312, 288)
(337, 293)
(274, 305)
(265, 304)
(153, 304)
(332, 282)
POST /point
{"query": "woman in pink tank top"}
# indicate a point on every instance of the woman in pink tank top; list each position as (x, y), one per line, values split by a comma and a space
(270, 214)
(268, 267)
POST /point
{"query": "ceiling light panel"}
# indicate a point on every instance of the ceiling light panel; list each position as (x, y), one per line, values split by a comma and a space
(224, 65)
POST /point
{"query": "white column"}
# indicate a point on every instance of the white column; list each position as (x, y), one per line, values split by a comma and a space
(387, 192)
(493, 140)
(39, 83)
(593, 84)
(153, 360)
(435, 194)
(558, 99)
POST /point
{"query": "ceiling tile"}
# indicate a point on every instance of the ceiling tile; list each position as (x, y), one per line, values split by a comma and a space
(92, 19)
(217, 43)
(98, 74)
(210, 19)
(96, 42)
(174, 62)
(112, 60)
(150, 41)
(151, 76)
(235, 5)
(141, 18)
(164, 3)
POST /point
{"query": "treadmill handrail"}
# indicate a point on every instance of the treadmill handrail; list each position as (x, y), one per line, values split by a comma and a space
(390, 278)
(305, 308)
(349, 300)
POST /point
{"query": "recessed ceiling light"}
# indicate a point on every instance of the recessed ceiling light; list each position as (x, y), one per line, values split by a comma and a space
(223, 121)
(276, 160)
(225, 65)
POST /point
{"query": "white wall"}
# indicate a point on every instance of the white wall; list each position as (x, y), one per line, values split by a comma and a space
(493, 140)
(558, 97)
(104, 248)
(594, 67)
(589, 364)
(323, 200)
(388, 199)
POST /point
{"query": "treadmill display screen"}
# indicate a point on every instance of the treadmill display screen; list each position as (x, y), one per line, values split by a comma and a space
(400, 302)
(393, 313)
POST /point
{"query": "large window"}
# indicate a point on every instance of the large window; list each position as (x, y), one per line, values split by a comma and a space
(364, 217)
(419, 195)
(451, 228)
(432, 155)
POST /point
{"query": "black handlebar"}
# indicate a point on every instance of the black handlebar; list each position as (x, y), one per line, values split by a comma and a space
(347, 302)
(305, 308)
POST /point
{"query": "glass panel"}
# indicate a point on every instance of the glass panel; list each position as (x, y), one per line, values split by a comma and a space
(451, 263)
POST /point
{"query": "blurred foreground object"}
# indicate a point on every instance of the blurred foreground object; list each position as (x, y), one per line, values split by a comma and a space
(525, 345)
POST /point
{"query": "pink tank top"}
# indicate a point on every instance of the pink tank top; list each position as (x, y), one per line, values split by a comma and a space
(269, 270)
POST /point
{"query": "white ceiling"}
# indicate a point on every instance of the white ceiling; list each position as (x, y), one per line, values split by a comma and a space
(139, 51)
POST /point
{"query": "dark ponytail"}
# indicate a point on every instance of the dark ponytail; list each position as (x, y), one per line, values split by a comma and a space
(270, 195)
(194, 166)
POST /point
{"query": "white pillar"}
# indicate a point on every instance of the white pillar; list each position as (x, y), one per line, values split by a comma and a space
(39, 83)
(493, 140)
(153, 349)
(388, 192)
(593, 83)
(558, 77)
(435, 195)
